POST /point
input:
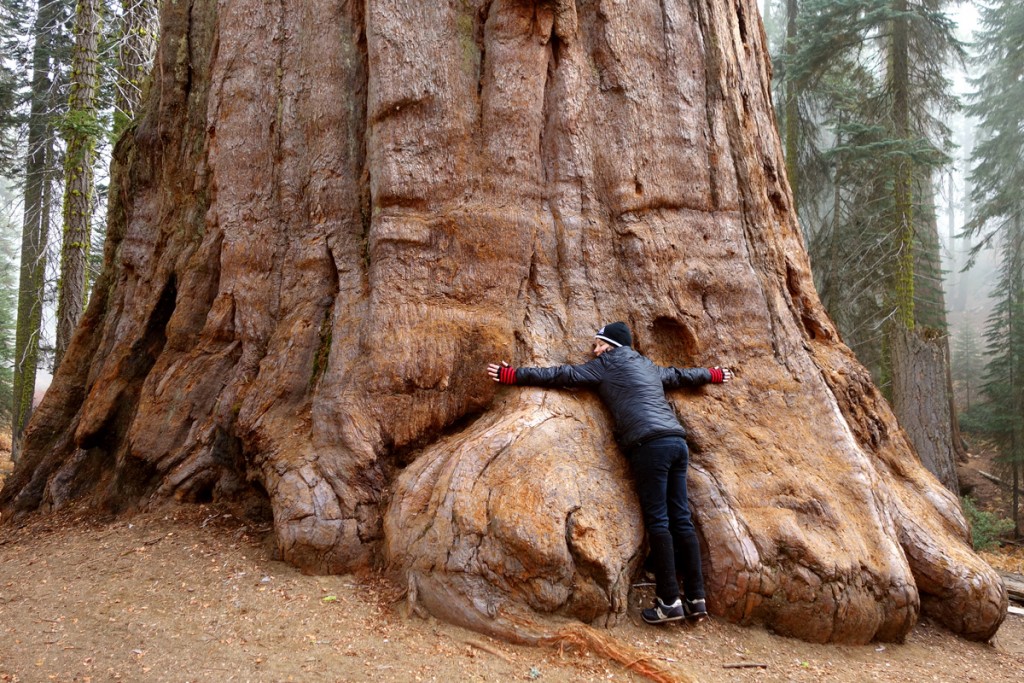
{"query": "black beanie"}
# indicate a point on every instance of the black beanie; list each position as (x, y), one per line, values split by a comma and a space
(616, 334)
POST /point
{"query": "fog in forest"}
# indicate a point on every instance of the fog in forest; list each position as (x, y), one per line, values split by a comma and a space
(969, 278)
(968, 273)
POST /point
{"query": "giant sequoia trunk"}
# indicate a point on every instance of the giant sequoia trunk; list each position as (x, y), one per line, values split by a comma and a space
(335, 213)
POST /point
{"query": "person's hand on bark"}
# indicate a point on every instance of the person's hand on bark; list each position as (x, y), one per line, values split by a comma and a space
(503, 374)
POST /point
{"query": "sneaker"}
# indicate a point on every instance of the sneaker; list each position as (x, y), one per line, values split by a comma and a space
(695, 609)
(661, 612)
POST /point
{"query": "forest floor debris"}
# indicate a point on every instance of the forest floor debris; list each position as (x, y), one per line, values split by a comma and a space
(162, 597)
(192, 593)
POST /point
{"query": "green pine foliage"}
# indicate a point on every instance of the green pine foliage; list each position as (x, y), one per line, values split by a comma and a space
(967, 366)
(997, 177)
(872, 97)
(986, 527)
(929, 298)
(11, 20)
(998, 101)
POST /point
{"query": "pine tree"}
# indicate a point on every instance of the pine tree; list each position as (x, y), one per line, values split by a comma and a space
(869, 73)
(1003, 384)
(12, 17)
(81, 128)
(8, 304)
(869, 77)
(997, 172)
(967, 366)
(997, 176)
(48, 37)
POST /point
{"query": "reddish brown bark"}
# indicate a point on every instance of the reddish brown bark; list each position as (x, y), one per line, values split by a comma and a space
(335, 214)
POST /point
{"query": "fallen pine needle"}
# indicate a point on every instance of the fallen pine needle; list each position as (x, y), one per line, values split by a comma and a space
(585, 638)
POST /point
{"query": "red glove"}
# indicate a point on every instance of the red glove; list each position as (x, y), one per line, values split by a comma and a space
(503, 374)
(719, 375)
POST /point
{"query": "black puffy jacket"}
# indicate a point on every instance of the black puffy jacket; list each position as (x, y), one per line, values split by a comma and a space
(631, 386)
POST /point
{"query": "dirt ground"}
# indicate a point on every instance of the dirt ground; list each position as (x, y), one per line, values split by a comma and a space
(193, 594)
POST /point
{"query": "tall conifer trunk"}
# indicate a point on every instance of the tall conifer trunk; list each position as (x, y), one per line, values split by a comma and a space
(81, 129)
(35, 227)
(792, 128)
(1015, 351)
(903, 169)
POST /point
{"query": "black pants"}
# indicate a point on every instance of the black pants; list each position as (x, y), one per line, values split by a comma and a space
(659, 467)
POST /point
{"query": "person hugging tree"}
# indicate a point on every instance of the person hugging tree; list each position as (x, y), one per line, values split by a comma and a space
(649, 433)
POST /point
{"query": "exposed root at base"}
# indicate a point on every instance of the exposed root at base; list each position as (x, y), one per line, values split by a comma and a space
(443, 600)
(583, 637)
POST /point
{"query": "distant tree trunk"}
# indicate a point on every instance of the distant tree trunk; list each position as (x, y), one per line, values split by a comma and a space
(960, 299)
(959, 448)
(921, 401)
(336, 213)
(792, 130)
(923, 392)
(81, 128)
(1015, 348)
(918, 355)
(952, 230)
(831, 293)
(35, 228)
(954, 286)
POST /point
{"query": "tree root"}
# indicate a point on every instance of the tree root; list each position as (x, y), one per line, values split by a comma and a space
(445, 601)
(585, 638)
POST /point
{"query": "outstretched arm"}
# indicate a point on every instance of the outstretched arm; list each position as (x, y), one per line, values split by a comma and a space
(587, 374)
(673, 378)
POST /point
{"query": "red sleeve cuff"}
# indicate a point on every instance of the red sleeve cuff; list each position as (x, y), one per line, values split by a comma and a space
(717, 376)
(507, 375)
